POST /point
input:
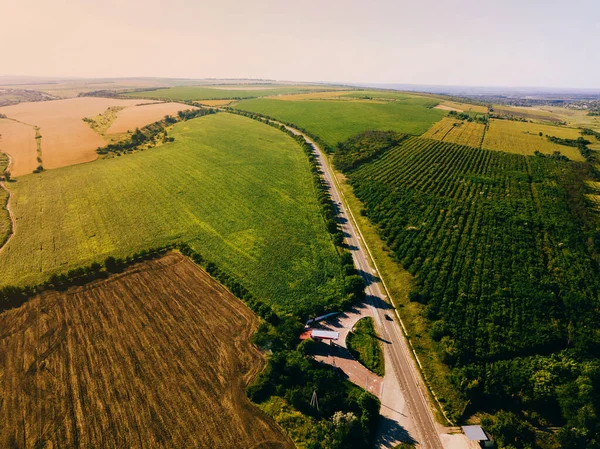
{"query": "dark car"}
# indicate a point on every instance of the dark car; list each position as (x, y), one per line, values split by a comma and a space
(389, 318)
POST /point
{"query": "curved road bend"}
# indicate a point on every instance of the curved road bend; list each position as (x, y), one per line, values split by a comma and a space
(398, 352)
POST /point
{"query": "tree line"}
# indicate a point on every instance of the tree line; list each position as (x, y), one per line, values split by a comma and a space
(149, 134)
(364, 147)
(504, 251)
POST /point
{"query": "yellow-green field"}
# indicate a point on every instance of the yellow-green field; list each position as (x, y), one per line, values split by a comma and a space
(313, 95)
(226, 91)
(335, 121)
(213, 103)
(237, 191)
(551, 114)
(572, 117)
(457, 131)
(523, 138)
(594, 194)
(5, 223)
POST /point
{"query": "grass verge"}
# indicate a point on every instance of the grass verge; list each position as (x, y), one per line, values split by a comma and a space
(364, 344)
(398, 283)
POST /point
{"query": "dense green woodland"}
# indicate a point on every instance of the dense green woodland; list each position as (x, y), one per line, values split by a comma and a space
(503, 250)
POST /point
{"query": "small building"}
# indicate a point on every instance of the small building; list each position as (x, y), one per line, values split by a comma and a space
(325, 335)
(477, 435)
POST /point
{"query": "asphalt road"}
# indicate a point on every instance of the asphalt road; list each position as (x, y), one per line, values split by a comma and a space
(409, 378)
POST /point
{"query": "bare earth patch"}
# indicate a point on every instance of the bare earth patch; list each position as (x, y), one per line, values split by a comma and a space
(131, 118)
(66, 138)
(156, 357)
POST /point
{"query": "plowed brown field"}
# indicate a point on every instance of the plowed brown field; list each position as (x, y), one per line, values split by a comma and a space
(18, 140)
(156, 357)
(66, 138)
(139, 116)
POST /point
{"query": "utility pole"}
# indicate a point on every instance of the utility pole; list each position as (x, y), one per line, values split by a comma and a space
(314, 401)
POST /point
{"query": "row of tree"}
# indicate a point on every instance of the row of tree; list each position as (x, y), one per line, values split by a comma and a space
(503, 248)
(364, 147)
(149, 134)
(267, 118)
(580, 143)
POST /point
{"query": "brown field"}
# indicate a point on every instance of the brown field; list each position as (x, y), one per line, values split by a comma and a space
(523, 138)
(156, 357)
(215, 103)
(18, 141)
(72, 88)
(66, 138)
(534, 114)
(457, 131)
(131, 118)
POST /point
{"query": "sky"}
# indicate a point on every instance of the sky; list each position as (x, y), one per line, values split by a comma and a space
(459, 42)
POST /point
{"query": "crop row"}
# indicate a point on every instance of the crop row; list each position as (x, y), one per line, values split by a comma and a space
(493, 241)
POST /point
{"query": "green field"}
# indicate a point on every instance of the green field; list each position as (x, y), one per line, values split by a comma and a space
(182, 93)
(335, 121)
(393, 95)
(239, 192)
(365, 346)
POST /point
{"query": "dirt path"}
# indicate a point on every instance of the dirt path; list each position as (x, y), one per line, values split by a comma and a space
(13, 221)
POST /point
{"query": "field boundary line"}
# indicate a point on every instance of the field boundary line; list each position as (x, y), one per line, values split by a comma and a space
(11, 215)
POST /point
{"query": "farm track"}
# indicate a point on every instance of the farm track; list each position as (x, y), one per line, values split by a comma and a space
(397, 352)
(13, 220)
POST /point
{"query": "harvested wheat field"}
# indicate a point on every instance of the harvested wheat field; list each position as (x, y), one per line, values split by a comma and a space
(66, 138)
(131, 118)
(18, 141)
(524, 138)
(155, 357)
